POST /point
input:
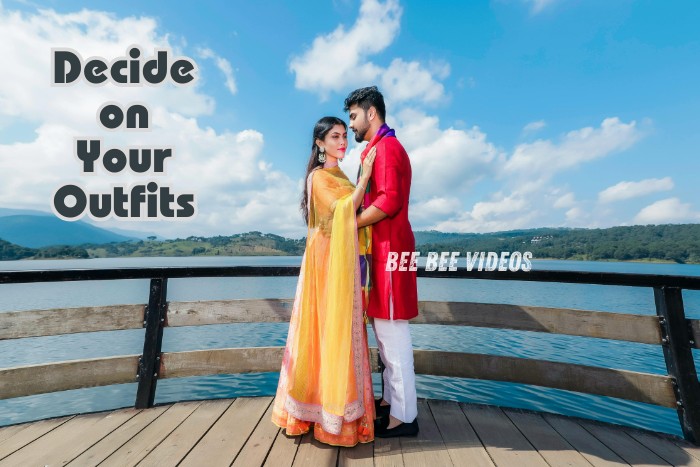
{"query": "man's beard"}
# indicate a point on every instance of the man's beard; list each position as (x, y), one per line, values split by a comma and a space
(360, 133)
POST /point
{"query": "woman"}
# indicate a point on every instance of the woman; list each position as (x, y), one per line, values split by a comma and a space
(325, 380)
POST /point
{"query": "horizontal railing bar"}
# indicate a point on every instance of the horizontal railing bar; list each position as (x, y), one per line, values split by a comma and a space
(563, 321)
(62, 275)
(58, 321)
(599, 324)
(623, 384)
(577, 277)
(572, 277)
(61, 376)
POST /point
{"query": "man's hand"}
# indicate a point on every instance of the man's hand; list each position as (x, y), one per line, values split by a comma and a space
(370, 216)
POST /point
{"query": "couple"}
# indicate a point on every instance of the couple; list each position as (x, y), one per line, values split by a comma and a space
(325, 381)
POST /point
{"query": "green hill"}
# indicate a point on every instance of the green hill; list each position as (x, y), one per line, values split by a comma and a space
(36, 231)
(245, 244)
(677, 243)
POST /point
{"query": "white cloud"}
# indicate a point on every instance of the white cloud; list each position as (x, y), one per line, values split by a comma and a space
(667, 211)
(627, 190)
(543, 158)
(501, 213)
(565, 201)
(444, 157)
(236, 189)
(223, 65)
(532, 127)
(576, 215)
(426, 211)
(339, 60)
(404, 81)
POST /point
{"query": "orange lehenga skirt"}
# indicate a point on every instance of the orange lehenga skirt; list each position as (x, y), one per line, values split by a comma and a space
(325, 381)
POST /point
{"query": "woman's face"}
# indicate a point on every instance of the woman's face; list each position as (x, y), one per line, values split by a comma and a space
(336, 142)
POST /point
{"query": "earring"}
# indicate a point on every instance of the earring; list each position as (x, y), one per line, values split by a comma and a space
(322, 155)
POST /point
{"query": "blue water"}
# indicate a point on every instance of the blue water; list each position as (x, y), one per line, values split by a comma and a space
(588, 351)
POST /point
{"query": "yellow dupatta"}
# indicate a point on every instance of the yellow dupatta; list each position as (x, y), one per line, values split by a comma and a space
(325, 376)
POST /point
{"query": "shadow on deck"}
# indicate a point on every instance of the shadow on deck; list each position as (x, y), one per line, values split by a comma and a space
(239, 432)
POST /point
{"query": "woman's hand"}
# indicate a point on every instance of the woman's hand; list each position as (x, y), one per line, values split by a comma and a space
(361, 187)
(368, 164)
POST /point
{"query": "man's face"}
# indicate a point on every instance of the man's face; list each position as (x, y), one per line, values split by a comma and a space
(359, 123)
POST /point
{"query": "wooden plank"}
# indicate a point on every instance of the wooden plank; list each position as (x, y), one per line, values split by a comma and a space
(229, 311)
(664, 448)
(503, 441)
(629, 449)
(600, 324)
(631, 385)
(388, 452)
(260, 442)
(56, 321)
(225, 439)
(101, 450)
(69, 440)
(427, 448)
(30, 433)
(283, 450)
(314, 453)
(220, 361)
(8, 431)
(361, 455)
(597, 453)
(688, 447)
(61, 376)
(461, 441)
(178, 443)
(138, 447)
(548, 442)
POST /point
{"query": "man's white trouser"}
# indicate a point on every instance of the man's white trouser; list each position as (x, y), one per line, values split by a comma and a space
(396, 351)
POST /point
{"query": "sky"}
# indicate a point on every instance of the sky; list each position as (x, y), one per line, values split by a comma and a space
(515, 113)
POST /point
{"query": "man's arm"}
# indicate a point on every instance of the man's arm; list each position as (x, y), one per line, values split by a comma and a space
(388, 182)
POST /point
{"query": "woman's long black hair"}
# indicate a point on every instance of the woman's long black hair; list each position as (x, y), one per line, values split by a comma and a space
(321, 129)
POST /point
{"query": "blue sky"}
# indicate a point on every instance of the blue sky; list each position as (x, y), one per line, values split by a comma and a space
(515, 113)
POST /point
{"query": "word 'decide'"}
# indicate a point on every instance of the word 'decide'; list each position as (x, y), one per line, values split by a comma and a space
(68, 67)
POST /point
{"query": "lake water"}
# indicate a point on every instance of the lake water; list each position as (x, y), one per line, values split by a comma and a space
(588, 351)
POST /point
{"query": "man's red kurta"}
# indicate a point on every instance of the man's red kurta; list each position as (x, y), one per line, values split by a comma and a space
(390, 187)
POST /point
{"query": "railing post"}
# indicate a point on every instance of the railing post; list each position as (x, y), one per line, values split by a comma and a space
(149, 362)
(676, 345)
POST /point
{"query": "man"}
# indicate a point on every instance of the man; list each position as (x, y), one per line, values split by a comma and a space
(393, 296)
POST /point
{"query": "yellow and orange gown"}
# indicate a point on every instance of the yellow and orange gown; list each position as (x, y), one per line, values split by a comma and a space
(325, 381)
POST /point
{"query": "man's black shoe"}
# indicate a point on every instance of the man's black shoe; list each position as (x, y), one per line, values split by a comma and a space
(381, 410)
(381, 423)
(404, 429)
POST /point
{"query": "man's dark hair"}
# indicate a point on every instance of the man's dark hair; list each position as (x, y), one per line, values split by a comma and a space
(366, 98)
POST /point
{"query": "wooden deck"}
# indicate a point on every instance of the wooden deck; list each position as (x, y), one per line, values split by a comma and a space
(239, 432)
